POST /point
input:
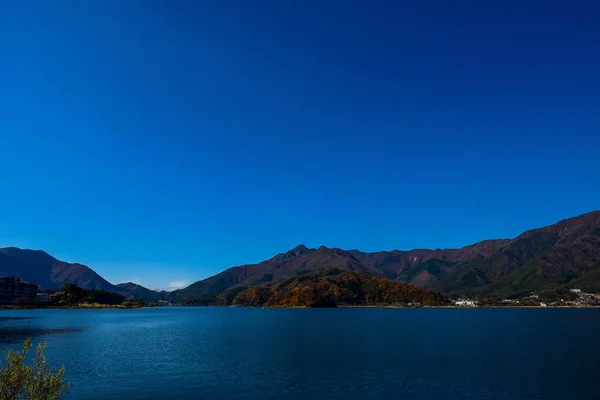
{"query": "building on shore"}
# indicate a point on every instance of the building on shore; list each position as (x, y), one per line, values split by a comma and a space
(465, 303)
(12, 289)
(43, 297)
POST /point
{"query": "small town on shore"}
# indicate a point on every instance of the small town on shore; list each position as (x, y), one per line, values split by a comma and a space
(576, 298)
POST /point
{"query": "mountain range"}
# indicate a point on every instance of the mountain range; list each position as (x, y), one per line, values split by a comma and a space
(41, 268)
(565, 254)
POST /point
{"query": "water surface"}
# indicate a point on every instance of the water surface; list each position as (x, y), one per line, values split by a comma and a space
(246, 353)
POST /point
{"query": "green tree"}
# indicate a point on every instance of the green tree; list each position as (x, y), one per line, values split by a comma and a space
(73, 294)
(36, 381)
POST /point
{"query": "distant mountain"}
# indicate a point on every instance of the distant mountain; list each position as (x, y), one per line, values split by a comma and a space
(135, 291)
(41, 268)
(331, 288)
(297, 261)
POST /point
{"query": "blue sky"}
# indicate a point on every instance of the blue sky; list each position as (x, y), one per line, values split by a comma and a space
(164, 141)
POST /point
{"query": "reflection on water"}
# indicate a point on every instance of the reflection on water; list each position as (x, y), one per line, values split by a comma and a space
(16, 335)
(15, 329)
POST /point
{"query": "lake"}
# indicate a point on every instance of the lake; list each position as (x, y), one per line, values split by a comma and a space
(351, 353)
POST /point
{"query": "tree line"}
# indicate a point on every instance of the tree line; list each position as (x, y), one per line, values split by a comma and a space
(333, 288)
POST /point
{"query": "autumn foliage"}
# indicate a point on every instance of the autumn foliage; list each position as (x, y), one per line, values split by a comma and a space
(333, 288)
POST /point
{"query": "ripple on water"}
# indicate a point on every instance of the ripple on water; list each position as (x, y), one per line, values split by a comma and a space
(248, 354)
(12, 335)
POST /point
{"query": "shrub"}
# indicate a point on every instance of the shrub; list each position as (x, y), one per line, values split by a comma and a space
(19, 381)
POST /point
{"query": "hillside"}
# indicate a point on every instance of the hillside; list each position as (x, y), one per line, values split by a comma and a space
(41, 268)
(563, 254)
(298, 261)
(331, 288)
(396, 264)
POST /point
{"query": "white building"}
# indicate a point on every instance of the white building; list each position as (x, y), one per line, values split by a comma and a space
(465, 303)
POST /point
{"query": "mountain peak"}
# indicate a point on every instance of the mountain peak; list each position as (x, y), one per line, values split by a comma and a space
(297, 251)
(300, 249)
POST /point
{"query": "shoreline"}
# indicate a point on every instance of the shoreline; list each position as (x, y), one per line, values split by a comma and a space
(459, 307)
(79, 307)
(119, 307)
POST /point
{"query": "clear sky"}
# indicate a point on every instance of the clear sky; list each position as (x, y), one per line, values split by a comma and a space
(164, 141)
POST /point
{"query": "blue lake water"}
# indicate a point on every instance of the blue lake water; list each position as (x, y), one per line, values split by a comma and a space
(246, 353)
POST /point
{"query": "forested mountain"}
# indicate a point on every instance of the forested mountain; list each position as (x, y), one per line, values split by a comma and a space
(331, 288)
(564, 254)
(297, 261)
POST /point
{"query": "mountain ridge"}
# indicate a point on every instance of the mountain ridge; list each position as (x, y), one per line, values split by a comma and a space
(561, 254)
(475, 269)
